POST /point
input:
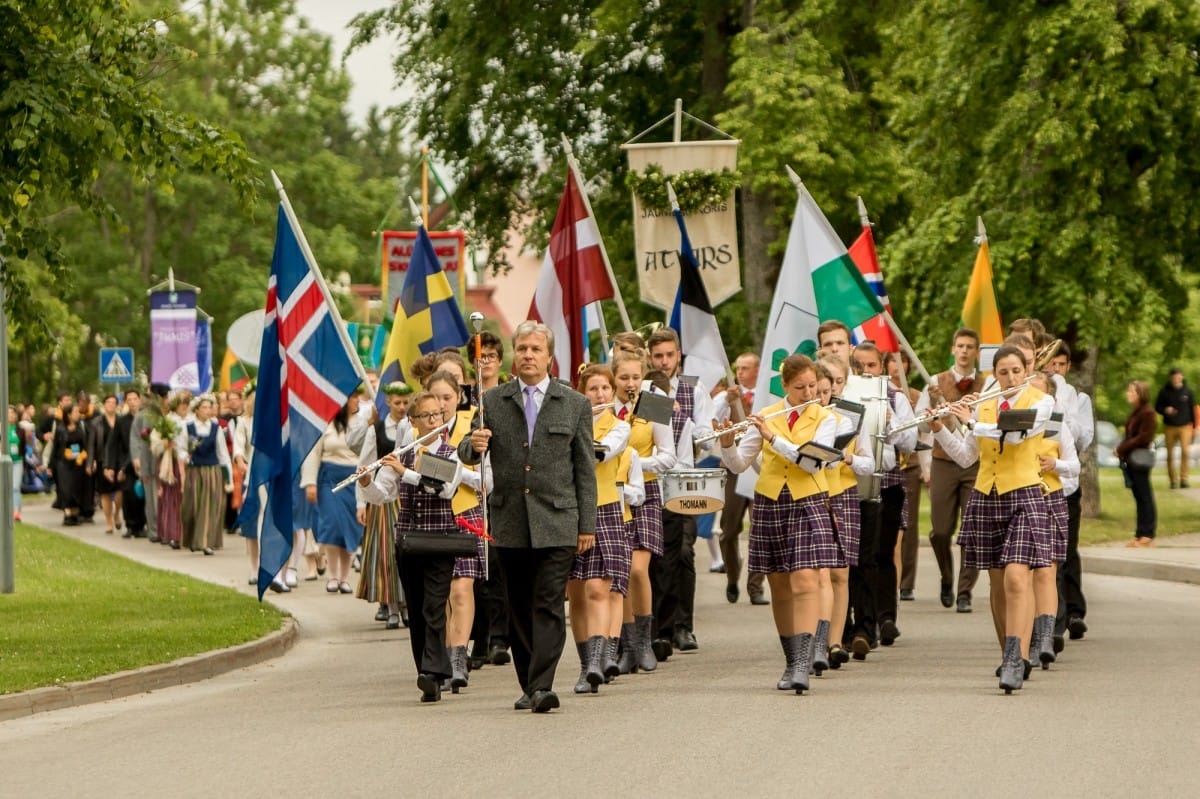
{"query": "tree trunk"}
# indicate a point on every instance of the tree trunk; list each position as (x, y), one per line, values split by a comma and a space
(759, 270)
(1087, 378)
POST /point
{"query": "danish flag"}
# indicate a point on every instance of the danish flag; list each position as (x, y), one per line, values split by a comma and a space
(306, 372)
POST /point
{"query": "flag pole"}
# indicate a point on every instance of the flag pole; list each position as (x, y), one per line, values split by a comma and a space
(316, 270)
(981, 231)
(587, 204)
(887, 315)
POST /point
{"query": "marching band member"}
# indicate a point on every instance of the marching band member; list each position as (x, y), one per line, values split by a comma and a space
(632, 484)
(791, 528)
(594, 573)
(424, 577)
(1005, 529)
(655, 451)
(379, 581)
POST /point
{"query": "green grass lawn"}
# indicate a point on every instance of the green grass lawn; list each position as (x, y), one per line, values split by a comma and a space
(80, 612)
(1177, 513)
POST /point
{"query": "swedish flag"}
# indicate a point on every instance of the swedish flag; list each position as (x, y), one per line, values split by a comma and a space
(427, 317)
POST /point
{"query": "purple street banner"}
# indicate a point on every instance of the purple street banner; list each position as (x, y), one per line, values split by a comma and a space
(173, 339)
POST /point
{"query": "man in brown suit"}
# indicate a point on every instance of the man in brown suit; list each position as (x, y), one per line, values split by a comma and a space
(538, 434)
(949, 484)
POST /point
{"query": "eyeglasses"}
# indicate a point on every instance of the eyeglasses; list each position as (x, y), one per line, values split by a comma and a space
(428, 417)
(488, 357)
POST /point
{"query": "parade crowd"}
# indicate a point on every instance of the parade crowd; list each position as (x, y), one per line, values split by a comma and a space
(478, 503)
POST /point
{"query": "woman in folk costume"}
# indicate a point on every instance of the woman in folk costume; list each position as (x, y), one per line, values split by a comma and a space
(335, 523)
(1060, 471)
(379, 580)
(1005, 527)
(654, 446)
(791, 528)
(425, 506)
(842, 481)
(169, 443)
(596, 572)
(445, 386)
(209, 470)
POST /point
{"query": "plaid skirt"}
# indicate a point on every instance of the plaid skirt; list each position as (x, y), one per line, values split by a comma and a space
(999, 529)
(379, 580)
(610, 556)
(647, 521)
(471, 565)
(787, 535)
(849, 523)
(1056, 506)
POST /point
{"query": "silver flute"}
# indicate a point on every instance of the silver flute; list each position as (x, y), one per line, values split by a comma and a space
(370, 468)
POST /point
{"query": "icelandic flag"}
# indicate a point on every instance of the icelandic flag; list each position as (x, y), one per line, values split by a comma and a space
(427, 317)
(306, 372)
(692, 318)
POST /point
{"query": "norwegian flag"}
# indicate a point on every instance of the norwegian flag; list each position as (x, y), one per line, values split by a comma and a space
(862, 252)
(306, 371)
(573, 276)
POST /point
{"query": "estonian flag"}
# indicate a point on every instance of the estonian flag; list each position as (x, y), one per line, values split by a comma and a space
(692, 317)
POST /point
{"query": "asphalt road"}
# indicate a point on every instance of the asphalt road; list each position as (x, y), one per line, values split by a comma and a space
(338, 716)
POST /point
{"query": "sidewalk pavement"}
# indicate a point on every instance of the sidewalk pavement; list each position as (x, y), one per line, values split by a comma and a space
(1175, 558)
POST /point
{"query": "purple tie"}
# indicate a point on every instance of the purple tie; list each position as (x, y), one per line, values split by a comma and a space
(531, 410)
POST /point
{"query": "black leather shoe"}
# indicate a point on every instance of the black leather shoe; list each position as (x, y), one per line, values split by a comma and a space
(127, 534)
(498, 654)
(964, 604)
(431, 688)
(381, 613)
(947, 596)
(732, 593)
(1058, 644)
(759, 599)
(524, 703)
(888, 632)
(154, 539)
(543, 701)
(1076, 627)
(860, 647)
(685, 640)
(906, 595)
(661, 647)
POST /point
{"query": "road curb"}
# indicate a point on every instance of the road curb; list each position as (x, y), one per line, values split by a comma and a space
(150, 678)
(1143, 570)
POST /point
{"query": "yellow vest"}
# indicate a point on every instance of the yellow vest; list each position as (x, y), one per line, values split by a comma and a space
(623, 464)
(1053, 448)
(777, 471)
(1016, 467)
(606, 471)
(641, 438)
(465, 497)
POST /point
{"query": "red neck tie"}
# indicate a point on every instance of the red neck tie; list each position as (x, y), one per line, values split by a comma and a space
(623, 413)
(792, 417)
(749, 397)
(1004, 406)
(965, 383)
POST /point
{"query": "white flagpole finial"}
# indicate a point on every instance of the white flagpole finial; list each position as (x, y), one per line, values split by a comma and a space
(275, 179)
(566, 143)
(416, 212)
(791, 173)
(863, 216)
(671, 196)
(981, 231)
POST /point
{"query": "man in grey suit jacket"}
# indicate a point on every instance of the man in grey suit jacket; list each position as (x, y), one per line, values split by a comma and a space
(538, 434)
(145, 465)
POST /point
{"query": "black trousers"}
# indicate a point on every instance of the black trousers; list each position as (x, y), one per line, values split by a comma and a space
(133, 507)
(673, 576)
(426, 583)
(535, 582)
(873, 580)
(491, 607)
(1138, 481)
(1071, 601)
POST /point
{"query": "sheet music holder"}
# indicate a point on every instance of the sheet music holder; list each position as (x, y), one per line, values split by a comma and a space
(853, 411)
(435, 467)
(601, 449)
(1054, 426)
(654, 407)
(820, 453)
(688, 380)
(1016, 421)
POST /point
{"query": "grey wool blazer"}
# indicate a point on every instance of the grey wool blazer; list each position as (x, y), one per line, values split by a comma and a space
(544, 494)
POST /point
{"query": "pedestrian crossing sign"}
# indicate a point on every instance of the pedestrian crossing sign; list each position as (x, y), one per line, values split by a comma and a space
(116, 365)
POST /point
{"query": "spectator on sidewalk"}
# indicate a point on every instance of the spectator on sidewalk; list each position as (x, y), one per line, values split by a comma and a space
(1176, 404)
(1139, 435)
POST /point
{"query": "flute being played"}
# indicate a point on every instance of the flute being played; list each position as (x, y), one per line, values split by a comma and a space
(741, 427)
(370, 468)
(946, 410)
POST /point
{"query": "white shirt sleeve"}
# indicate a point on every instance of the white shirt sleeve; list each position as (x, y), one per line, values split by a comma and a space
(635, 484)
(662, 458)
(1087, 422)
(903, 440)
(962, 449)
(615, 440)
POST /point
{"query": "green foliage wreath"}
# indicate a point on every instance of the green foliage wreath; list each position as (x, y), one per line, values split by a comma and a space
(695, 188)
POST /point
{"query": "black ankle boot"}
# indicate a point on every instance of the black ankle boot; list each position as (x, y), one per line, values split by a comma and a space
(596, 646)
(820, 659)
(582, 686)
(611, 668)
(458, 667)
(628, 664)
(785, 681)
(1045, 641)
(1013, 666)
(643, 650)
(804, 651)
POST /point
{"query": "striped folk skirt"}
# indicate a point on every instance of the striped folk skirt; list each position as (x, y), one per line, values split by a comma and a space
(379, 580)
(787, 534)
(471, 566)
(999, 529)
(609, 558)
(335, 523)
(848, 516)
(1056, 507)
(647, 521)
(203, 511)
(170, 500)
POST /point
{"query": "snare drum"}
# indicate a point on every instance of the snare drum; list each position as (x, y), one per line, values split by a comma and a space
(693, 492)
